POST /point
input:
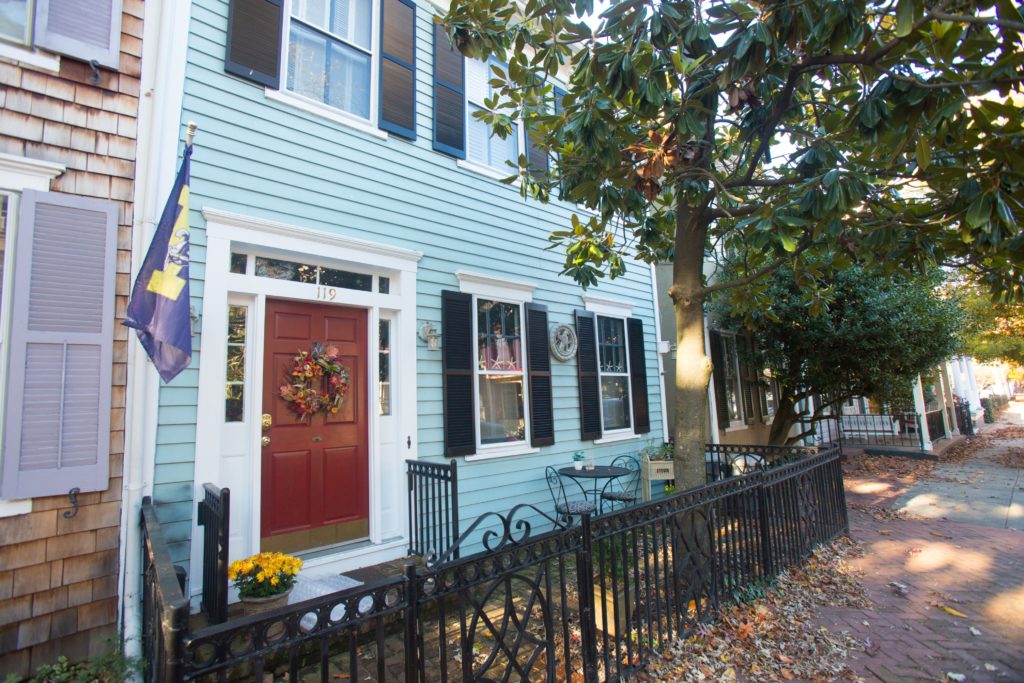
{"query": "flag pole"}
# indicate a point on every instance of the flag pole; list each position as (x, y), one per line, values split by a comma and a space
(190, 132)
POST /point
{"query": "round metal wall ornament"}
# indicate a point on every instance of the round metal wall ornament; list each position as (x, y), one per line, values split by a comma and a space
(563, 342)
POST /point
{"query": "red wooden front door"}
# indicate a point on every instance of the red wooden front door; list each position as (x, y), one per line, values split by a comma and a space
(315, 474)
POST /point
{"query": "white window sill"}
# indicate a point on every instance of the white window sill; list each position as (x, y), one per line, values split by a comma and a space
(9, 508)
(737, 428)
(490, 452)
(30, 57)
(489, 171)
(311, 107)
(615, 437)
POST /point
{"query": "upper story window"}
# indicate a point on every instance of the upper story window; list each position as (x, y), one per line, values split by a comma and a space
(483, 147)
(330, 51)
(733, 400)
(14, 20)
(613, 367)
(59, 27)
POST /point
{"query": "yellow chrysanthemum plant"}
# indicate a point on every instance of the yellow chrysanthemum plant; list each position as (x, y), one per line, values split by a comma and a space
(264, 575)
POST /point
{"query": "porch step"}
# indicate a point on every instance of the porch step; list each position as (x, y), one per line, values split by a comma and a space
(913, 453)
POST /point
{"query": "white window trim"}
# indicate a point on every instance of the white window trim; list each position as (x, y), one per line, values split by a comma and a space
(484, 170)
(29, 56)
(309, 106)
(488, 286)
(611, 308)
(17, 174)
(621, 434)
(505, 291)
(285, 96)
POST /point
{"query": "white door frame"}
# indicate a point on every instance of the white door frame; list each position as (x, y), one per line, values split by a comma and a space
(227, 231)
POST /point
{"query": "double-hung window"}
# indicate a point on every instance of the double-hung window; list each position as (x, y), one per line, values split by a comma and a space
(62, 27)
(613, 367)
(733, 386)
(330, 53)
(483, 146)
(501, 386)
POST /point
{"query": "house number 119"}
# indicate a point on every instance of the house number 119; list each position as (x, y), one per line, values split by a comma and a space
(326, 293)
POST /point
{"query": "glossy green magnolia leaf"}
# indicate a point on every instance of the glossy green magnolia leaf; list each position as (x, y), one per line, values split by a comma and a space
(904, 18)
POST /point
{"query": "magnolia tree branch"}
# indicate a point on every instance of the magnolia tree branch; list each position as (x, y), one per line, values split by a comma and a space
(758, 274)
(982, 21)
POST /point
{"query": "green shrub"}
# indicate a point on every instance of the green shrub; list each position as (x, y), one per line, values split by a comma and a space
(110, 667)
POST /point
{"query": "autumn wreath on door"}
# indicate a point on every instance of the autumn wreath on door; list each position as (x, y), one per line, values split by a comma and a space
(318, 382)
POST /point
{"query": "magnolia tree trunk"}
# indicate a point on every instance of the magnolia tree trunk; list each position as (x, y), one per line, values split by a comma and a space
(785, 417)
(693, 367)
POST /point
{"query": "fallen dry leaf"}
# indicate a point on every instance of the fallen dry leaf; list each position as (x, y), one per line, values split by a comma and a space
(950, 610)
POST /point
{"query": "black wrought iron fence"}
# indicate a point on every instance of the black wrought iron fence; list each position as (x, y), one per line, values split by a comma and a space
(902, 428)
(164, 606)
(936, 425)
(215, 517)
(964, 418)
(729, 460)
(433, 507)
(541, 601)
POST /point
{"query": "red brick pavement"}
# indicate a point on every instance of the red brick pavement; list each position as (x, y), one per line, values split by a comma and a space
(977, 571)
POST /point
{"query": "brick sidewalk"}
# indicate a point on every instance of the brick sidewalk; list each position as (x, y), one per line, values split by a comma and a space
(975, 570)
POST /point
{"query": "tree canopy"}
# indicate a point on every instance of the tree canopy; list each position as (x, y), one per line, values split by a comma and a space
(995, 329)
(796, 132)
(872, 337)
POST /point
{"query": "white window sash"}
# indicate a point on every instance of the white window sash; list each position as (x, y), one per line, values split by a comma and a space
(601, 374)
(478, 373)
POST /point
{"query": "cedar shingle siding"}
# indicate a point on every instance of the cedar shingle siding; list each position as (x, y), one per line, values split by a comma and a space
(58, 576)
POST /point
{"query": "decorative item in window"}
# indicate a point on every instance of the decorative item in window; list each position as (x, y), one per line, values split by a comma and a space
(264, 580)
(563, 342)
(318, 382)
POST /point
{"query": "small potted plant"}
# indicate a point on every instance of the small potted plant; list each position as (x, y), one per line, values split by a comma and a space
(264, 580)
(577, 460)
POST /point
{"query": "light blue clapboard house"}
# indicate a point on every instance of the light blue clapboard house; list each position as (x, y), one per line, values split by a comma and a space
(342, 193)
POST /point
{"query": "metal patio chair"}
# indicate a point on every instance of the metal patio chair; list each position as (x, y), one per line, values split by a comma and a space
(564, 507)
(625, 490)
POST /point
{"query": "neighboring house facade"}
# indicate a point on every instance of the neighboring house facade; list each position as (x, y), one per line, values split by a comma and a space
(341, 192)
(67, 163)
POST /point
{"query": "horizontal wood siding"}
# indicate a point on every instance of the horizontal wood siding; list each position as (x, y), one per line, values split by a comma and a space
(258, 157)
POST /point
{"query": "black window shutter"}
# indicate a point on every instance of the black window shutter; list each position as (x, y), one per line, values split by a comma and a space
(457, 369)
(254, 40)
(398, 68)
(449, 97)
(638, 375)
(542, 419)
(719, 375)
(586, 370)
(762, 394)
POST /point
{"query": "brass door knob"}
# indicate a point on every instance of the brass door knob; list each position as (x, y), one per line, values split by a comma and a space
(266, 420)
(265, 441)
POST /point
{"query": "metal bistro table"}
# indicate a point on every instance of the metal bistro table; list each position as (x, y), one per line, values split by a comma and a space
(597, 472)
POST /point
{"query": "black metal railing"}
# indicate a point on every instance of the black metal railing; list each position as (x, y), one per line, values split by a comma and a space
(164, 607)
(936, 425)
(215, 517)
(433, 507)
(902, 428)
(964, 418)
(538, 600)
(729, 460)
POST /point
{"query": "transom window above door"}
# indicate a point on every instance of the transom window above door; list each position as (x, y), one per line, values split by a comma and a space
(330, 50)
(308, 273)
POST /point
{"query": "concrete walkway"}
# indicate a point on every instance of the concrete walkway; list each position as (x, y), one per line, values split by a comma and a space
(948, 585)
(977, 491)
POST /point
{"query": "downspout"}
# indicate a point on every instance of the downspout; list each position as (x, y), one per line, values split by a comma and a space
(658, 352)
(164, 49)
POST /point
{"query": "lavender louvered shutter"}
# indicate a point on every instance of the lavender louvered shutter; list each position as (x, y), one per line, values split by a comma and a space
(84, 29)
(57, 412)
